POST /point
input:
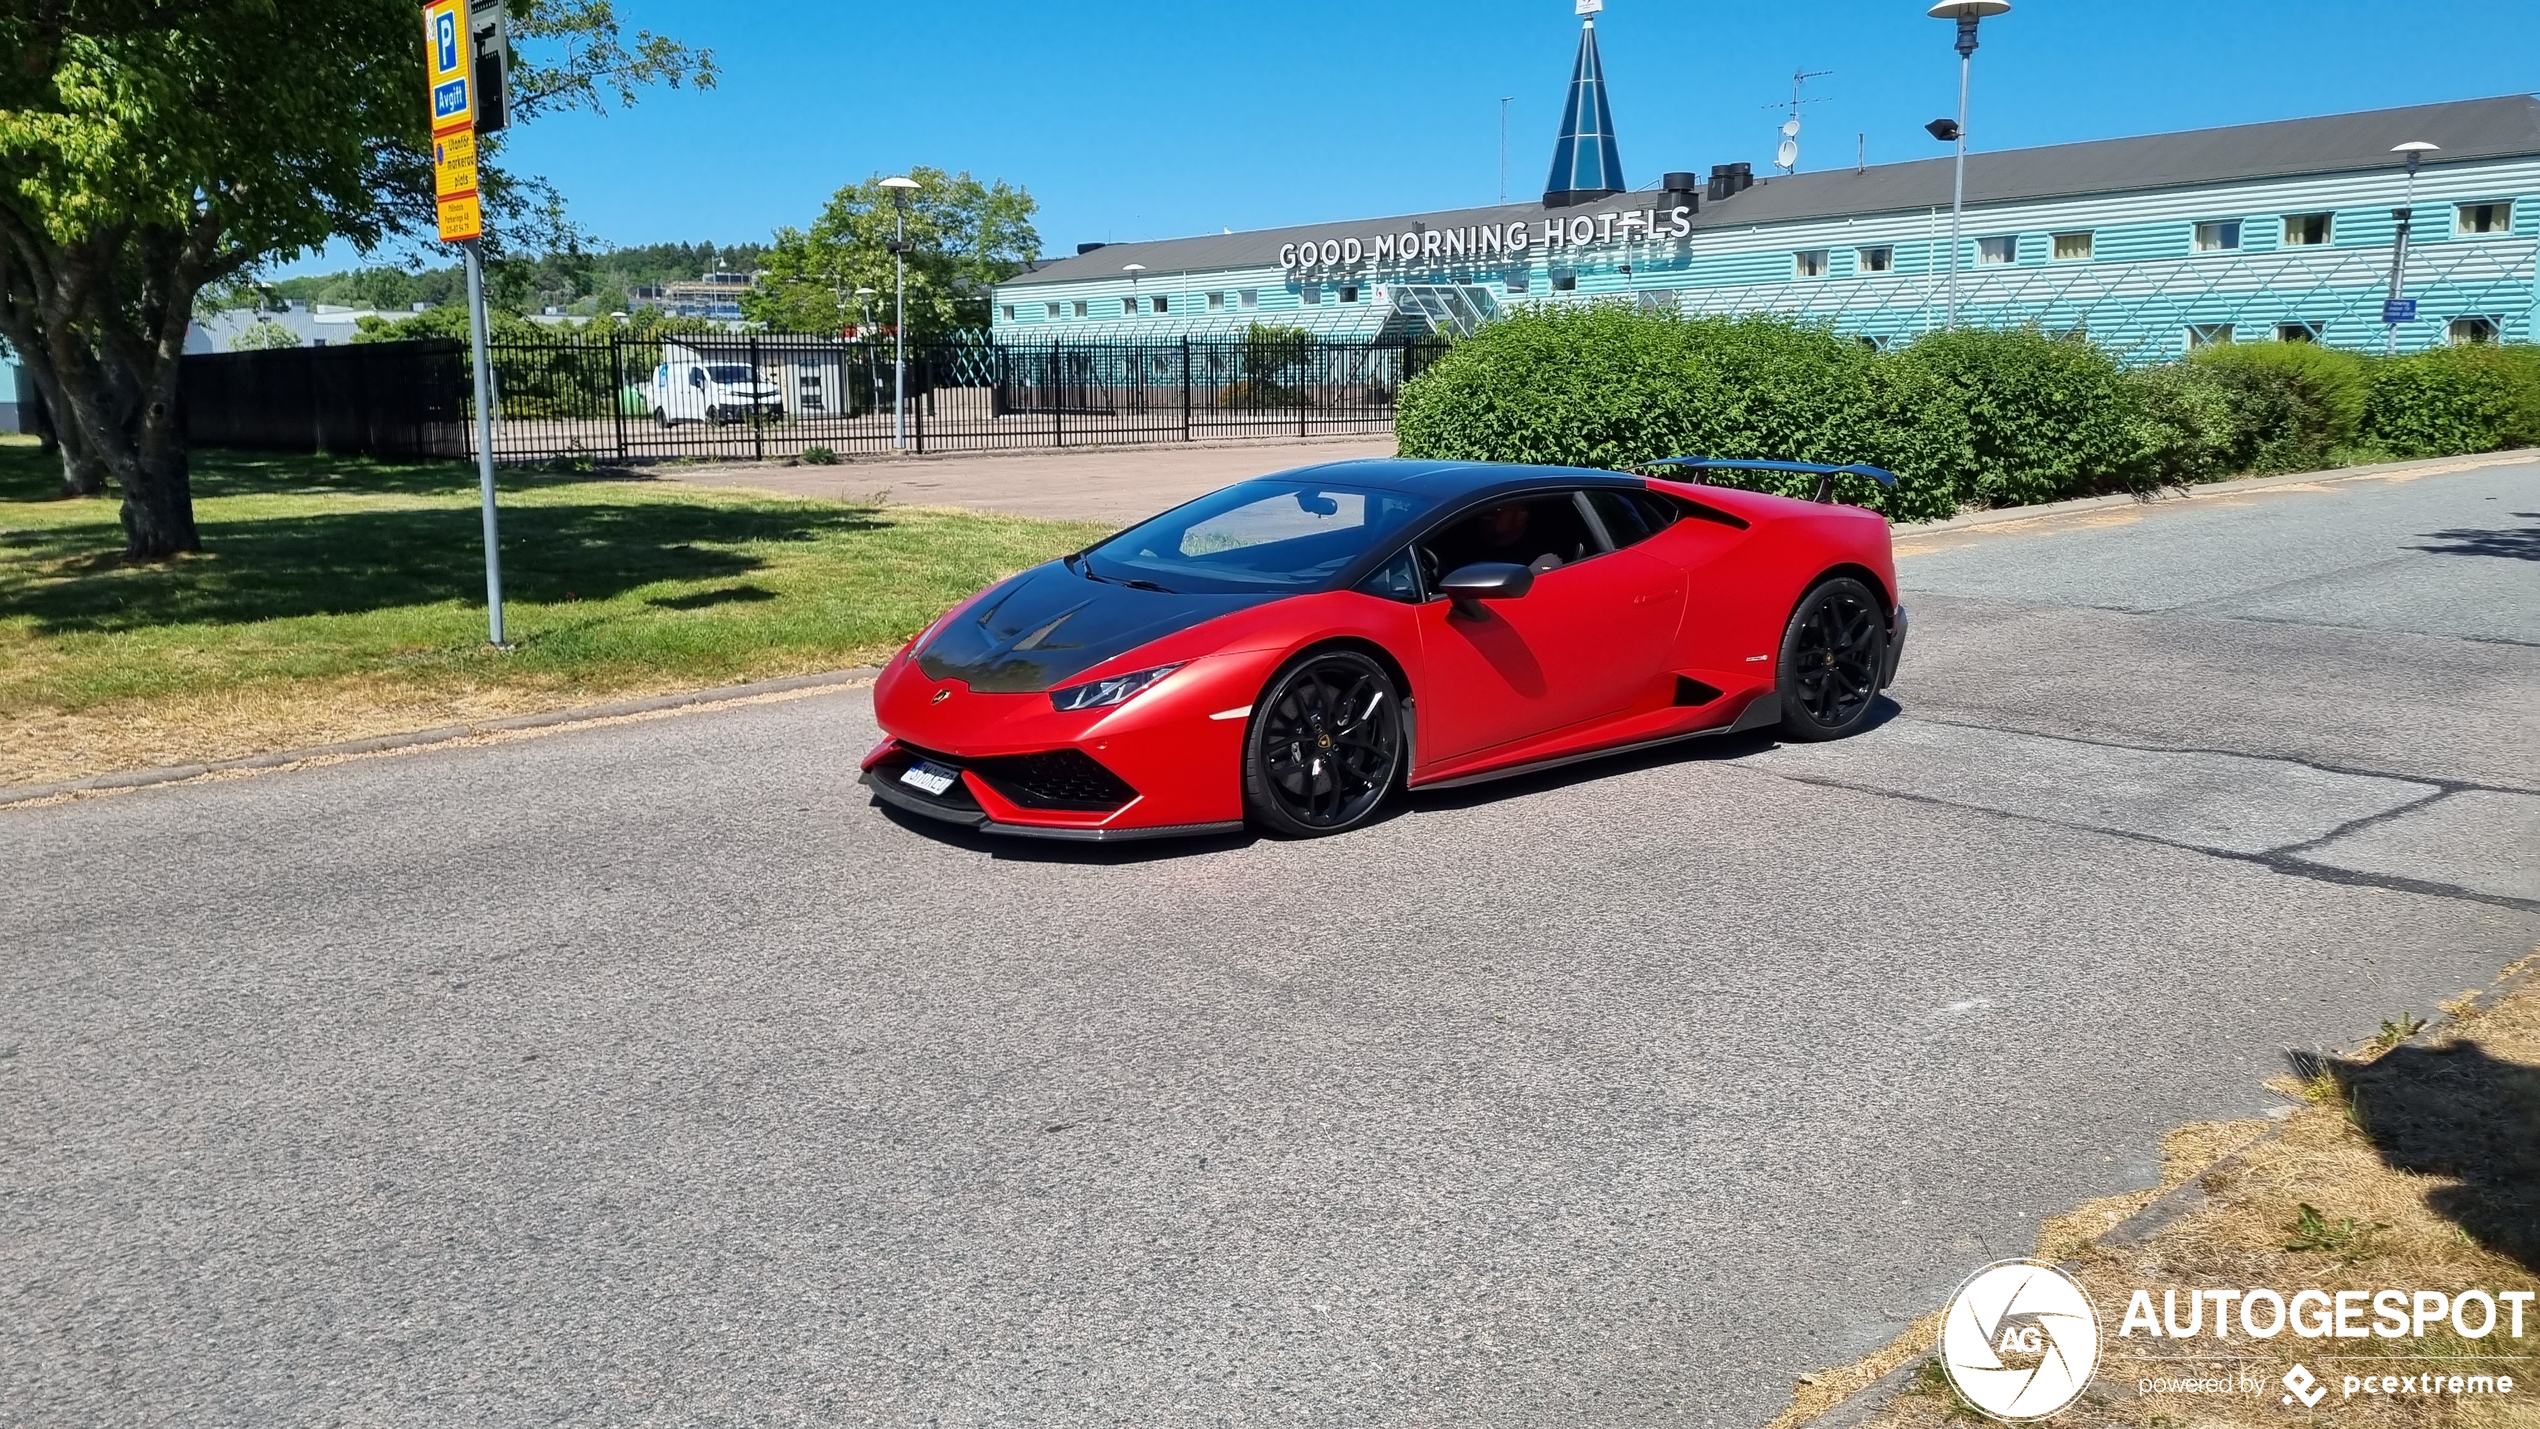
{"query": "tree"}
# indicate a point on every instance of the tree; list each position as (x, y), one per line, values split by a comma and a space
(261, 334)
(149, 150)
(965, 238)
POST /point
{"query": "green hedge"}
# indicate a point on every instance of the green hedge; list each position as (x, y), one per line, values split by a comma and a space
(1975, 417)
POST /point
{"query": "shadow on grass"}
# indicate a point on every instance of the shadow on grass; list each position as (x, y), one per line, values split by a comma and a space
(2462, 1113)
(359, 561)
(706, 599)
(27, 474)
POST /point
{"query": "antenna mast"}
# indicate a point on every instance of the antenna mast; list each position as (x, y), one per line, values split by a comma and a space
(1786, 158)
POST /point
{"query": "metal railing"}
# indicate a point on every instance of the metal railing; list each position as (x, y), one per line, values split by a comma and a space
(761, 396)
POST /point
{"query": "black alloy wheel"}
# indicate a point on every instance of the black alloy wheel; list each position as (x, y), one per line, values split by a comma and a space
(1325, 745)
(1832, 653)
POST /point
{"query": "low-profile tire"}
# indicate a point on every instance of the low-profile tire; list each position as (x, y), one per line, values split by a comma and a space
(1833, 651)
(1324, 746)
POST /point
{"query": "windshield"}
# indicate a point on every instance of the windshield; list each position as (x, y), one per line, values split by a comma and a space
(731, 372)
(1267, 534)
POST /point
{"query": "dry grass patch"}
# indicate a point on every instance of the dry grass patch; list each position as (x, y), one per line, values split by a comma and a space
(2409, 1164)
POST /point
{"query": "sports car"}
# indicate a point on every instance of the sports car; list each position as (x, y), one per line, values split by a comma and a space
(1290, 651)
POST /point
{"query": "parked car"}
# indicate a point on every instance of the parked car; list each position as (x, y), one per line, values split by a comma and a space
(1289, 651)
(713, 392)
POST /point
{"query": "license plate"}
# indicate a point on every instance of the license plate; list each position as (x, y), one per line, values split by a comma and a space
(933, 778)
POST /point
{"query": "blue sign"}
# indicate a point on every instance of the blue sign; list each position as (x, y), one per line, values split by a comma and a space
(445, 38)
(2399, 310)
(449, 99)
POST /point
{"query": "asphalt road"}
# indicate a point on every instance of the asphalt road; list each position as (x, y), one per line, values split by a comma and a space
(648, 1074)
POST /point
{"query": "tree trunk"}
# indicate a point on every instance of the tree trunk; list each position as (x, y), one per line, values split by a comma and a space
(158, 488)
(83, 473)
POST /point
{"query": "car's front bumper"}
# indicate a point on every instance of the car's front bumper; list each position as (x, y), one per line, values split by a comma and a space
(983, 800)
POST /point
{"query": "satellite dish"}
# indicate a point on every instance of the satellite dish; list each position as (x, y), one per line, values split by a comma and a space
(1790, 128)
(1787, 156)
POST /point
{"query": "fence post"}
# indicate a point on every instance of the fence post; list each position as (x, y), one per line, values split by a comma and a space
(617, 393)
(1186, 389)
(1057, 398)
(758, 418)
(925, 374)
(1304, 387)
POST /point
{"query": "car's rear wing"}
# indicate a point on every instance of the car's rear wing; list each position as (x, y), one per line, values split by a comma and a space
(1825, 474)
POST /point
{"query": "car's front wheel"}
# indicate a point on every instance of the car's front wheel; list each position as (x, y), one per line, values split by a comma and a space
(1832, 653)
(1325, 745)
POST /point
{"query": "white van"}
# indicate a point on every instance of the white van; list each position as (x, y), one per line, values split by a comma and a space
(690, 387)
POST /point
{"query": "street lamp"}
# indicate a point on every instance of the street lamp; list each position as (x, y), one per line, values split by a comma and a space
(1967, 13)
(2416, 150)
(899, 185)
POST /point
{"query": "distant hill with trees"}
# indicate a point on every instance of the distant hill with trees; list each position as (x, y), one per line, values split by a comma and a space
(585, 281)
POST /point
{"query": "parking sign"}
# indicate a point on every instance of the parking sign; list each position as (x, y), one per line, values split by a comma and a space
(450, 77)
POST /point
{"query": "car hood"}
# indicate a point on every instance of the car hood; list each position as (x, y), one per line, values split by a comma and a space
(1050, 623)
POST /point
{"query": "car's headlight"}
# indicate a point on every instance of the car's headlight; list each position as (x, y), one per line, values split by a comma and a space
(1097, 694)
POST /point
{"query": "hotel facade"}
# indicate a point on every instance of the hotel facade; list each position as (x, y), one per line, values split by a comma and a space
(2152, 245)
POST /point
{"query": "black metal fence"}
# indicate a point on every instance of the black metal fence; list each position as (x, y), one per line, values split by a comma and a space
(773, 395)
(394, 399)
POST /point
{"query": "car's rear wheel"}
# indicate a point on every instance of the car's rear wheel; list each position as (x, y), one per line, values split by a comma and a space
(1832, 653)
(1325, 745)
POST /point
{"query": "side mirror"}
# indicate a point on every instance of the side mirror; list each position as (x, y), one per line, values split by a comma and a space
(1469, 586)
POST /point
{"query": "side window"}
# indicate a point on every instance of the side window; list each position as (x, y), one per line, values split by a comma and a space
(1397, 579)
(1624, 520)
(1657, 510)
(1539, 532)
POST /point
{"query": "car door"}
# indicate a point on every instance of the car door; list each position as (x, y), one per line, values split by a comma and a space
(1588, 641)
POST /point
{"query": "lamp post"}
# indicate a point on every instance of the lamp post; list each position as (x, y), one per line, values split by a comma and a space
(899, 185)
(1504, 101)
(1967, 13)
(2416, 150)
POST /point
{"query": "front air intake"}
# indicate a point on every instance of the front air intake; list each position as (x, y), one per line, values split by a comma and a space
(1056, 779)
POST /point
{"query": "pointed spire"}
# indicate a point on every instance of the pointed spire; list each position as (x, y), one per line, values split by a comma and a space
(1586, 164)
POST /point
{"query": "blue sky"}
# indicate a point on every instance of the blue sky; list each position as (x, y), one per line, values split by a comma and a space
(1147, 120)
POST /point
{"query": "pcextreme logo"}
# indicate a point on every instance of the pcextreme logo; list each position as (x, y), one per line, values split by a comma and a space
(2020, 1340)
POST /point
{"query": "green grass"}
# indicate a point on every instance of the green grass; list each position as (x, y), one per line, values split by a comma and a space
(356, 585)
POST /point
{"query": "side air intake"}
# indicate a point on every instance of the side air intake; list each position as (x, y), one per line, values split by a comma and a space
(1694, 692)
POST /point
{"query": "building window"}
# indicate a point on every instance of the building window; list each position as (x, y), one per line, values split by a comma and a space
(1992, 252)
(1517, 282)
(2486, 218)
(2072, 247)
(2306, 230)
(1349, 292)
(1217, 302)
(1050, 310)
(1564, 281)
(1874, 344)
(2298, 332)
(1128, 307)
(2221, 236)
(1009, 312)
(2469, 330)
(1250, 297)
(1161, 303)
(2207, 335)
(1809, 263)
(1310, 294)
(1080, 307)
(1876, 260)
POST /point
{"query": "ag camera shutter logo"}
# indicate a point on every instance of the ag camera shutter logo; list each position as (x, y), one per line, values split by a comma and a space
(2020, 1340)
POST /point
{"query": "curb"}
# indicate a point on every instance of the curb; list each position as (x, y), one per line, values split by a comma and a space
(2177, 1202)
(2004, 515)
(651, 466)
(170, 774)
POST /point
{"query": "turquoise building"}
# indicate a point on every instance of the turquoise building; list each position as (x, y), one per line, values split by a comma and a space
(2152, 246)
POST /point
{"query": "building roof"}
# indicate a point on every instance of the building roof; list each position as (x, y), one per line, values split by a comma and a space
(2468, 129)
